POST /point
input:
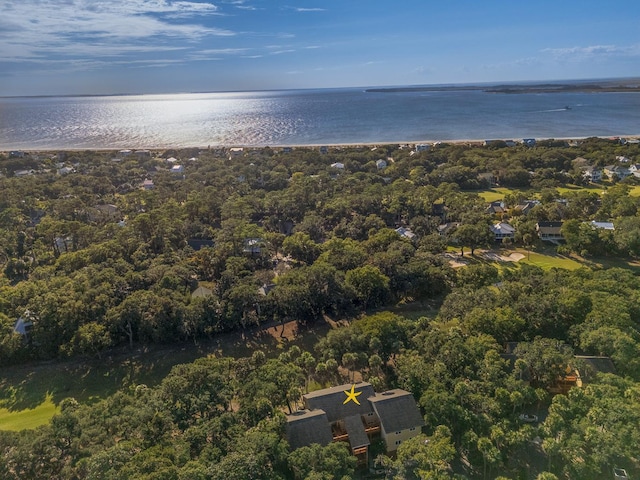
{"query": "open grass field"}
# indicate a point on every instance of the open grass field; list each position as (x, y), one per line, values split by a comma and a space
(548, 259)
(31, 394)
(498, 193)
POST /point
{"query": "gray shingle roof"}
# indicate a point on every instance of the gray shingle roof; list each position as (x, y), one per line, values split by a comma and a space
(305, 428)
(355, 429)
(594, 365)
(397, 410)
(331, 401)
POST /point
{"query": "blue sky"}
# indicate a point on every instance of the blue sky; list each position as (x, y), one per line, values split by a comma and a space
(164, 46)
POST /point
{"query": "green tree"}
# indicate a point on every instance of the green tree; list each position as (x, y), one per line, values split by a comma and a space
(318, 462)
(370, 286)
(301, 247)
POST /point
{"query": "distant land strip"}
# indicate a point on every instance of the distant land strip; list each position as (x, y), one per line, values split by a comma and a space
(541, 88)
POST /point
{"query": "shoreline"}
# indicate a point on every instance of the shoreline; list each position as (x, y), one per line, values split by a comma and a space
(459, 141)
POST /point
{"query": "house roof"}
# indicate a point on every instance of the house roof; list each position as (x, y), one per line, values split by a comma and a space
(331, 401)
(355, 429)
(595, 365)
(266, 288)
(21, 326)
(202, 292)
(306, 427)
(446, 227)
(405, 232)
(550, 224)
(397, 410)
(198, 243)
(603, 225)
(502, 228)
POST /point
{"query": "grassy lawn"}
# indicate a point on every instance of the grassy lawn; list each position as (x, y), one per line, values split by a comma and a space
(599, 189)
(28, 418)
(498, 193)
(548, 260)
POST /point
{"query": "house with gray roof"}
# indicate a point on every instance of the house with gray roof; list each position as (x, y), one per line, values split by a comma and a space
(392, 416)
(306, 427)
(399, 417)
(502, 230)
(550, 231)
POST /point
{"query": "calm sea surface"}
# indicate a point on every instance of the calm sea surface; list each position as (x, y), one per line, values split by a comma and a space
(306, 117)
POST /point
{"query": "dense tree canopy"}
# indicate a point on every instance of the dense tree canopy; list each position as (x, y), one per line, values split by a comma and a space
(91, 261)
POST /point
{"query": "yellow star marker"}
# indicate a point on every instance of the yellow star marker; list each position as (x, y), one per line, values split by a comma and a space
(351, 395)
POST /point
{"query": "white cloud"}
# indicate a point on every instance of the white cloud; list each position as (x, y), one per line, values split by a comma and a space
(216, 53)
(223, 51)
(594, 51)
(300, 9)
(106, 28)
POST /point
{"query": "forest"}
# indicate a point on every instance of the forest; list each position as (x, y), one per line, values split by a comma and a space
(106, 250)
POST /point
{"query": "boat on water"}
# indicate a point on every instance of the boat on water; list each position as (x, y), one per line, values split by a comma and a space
(567, 107)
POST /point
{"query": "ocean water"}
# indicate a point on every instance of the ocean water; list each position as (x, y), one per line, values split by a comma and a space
(309, 117)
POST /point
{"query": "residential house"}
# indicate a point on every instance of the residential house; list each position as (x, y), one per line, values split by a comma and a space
(422, 147)
(399, 417)
(502, 230)
(622, 159)
(199, 243)
(124, 153)
(584, 371)
(287, 149)
(201, 292)
(266, 288)
(635, 169)
(236, 152)
(23, 173)
(447, 229)
(526, 206)
(338, 165)
(550, 231)
(381, 164)
(405, 233)
(392, 416)
(142, 154)
(496, 208)
(177, 169)
(593, 174)
(63, 244)
(252, 246)
(324, 150)
(618, 171)
(529, 142)
(602, 225)
(23, 325)
(148, 184)
(104, 212)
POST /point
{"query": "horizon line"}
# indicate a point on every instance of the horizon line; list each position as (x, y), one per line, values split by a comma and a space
(459, 85)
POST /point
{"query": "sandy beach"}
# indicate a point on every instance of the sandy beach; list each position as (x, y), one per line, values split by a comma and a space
(461, 141)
